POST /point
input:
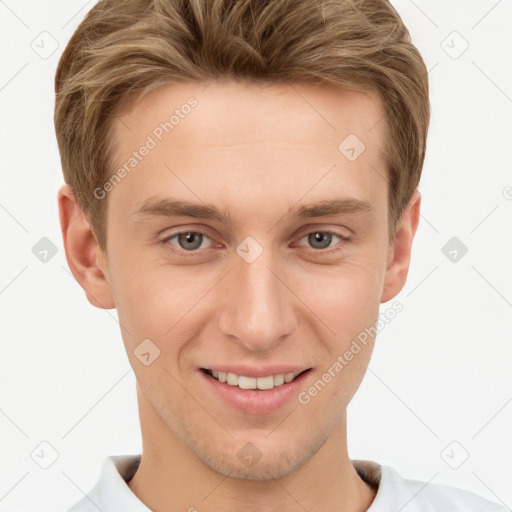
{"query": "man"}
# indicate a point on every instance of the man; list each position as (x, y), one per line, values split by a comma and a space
(283, 141)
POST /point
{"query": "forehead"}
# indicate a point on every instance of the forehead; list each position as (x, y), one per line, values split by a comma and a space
(229, 111)
(244, 142)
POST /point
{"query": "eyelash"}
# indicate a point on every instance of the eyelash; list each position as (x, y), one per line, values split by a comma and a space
(197, 252)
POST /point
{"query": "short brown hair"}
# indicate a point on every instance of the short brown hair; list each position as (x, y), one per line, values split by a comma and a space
(124, 48)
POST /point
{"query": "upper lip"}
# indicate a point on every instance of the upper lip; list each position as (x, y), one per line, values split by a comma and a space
(257, 371)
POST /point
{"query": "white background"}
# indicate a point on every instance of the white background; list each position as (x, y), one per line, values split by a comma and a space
(440, 371)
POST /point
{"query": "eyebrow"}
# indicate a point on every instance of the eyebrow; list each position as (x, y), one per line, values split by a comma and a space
(181, 208)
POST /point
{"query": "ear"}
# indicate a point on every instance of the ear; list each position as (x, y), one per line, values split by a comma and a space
(399, 255)
(85, 258)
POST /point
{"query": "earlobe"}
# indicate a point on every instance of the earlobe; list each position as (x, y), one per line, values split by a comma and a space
(82, 251)
(399, 256)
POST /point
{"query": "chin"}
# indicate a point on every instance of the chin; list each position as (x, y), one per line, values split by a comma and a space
(272, 461)
(276, 466)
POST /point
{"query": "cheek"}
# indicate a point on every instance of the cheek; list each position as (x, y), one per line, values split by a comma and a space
(159, 302)
(347, 298)
(350, 308)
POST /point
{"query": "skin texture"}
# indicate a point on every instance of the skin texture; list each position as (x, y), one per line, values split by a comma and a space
(259, 152)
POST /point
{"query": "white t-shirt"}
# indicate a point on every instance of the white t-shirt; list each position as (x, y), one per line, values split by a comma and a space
(394, 493)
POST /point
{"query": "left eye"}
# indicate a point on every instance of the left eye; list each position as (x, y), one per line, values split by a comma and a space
(321, 239)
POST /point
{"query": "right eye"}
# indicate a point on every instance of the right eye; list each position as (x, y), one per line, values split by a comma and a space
(187, 241)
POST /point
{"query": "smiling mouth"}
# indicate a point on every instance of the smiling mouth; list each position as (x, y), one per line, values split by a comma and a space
(261, 383)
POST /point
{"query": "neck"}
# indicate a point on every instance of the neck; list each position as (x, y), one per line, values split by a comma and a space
(170, 477)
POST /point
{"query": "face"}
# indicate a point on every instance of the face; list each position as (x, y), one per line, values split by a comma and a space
(244, 240)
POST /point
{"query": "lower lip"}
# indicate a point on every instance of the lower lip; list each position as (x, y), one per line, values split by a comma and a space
(256, 401)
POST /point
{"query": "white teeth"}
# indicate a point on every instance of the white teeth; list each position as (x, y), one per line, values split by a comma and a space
(263, 383)
(246, 382)
(289, 377)
(279, 379)
(232, 379)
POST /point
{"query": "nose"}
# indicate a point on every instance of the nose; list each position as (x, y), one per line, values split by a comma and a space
(257, 307)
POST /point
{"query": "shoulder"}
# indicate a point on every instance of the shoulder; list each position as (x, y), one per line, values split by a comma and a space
(407, 495)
